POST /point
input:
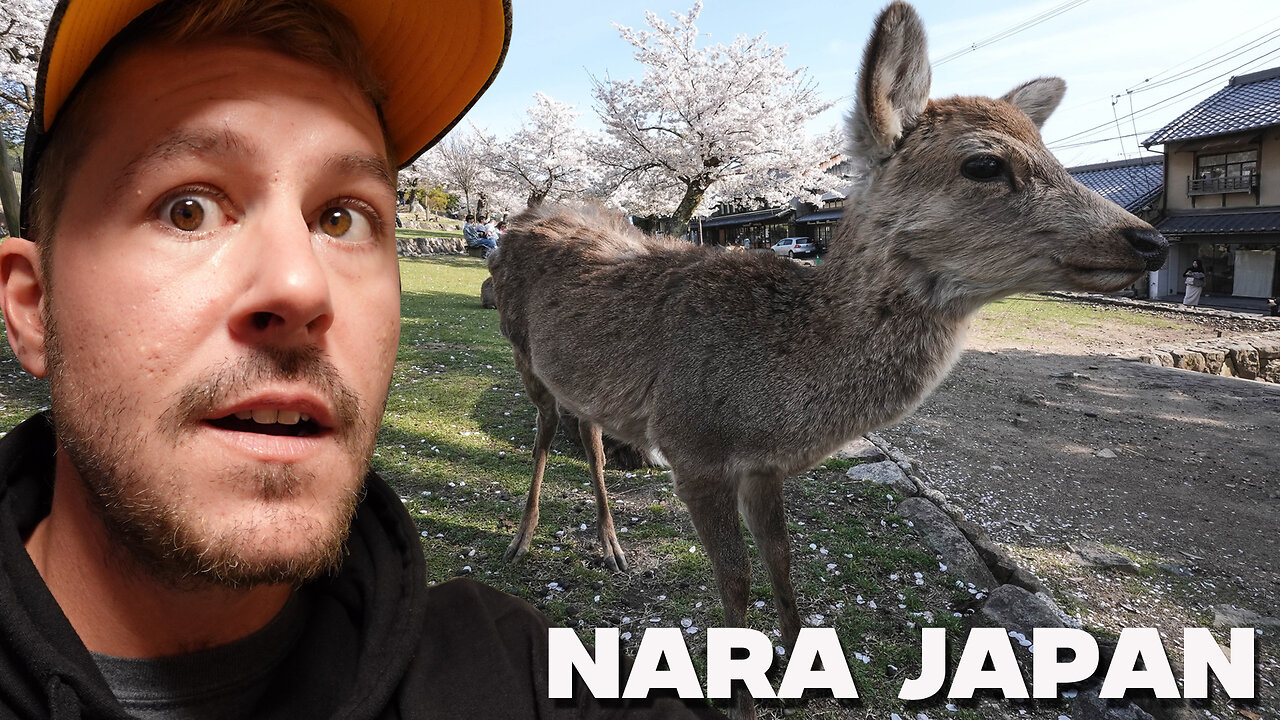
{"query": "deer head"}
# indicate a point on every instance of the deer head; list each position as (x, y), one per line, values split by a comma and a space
(962, 197)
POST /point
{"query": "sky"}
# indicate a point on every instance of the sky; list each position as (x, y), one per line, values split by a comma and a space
(1134, 49)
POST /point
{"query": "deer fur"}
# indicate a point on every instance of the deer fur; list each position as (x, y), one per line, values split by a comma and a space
(673, 347)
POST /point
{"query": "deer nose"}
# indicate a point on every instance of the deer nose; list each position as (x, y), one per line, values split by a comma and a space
(1150, 244)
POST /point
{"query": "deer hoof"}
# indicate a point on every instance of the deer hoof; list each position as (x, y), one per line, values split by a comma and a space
(514, 552)
(616, 562)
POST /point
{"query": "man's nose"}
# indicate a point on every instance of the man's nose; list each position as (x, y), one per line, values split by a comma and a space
(286, 298)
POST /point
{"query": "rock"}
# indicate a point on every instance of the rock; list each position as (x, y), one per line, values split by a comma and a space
(1105, 453)
(941, 534)
(1095, 555)
(997, 560)
(1173, 569)
(860, 449)
(1213, 360)
(1035, 399)
(1269, 369)
(1228, 368)
(1166, 358)
(1016, 610)
(1188, 360)
(1028, 582)
(1232, 616)
(1244, 360)
(488, 299)
(885, 472)
(618, 455)
(1088, 706)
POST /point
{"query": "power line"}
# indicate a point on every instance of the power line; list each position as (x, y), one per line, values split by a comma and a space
(1147, 110)
(1011, 31)
(1208, 63)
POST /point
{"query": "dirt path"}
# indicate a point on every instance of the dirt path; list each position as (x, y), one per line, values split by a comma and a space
(1049, 444)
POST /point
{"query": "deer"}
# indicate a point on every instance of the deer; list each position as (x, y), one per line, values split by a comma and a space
(668, 345)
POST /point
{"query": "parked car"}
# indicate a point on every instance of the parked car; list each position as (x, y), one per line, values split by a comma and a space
(793, 246)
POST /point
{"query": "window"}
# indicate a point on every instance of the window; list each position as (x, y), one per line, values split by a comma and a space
(1225, 173)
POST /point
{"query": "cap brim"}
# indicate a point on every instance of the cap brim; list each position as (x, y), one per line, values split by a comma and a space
(435, 57)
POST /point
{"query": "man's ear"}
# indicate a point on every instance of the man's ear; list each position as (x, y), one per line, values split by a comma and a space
(22, 299)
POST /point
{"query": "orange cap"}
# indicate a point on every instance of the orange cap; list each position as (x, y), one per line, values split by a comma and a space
(434, 57)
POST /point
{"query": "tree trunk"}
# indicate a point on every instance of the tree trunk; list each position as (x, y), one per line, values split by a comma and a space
(693, 192)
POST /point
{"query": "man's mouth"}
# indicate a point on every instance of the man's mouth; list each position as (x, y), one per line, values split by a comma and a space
(269, 422)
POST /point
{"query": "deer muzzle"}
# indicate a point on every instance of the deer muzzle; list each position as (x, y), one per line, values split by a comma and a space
(1149, 244)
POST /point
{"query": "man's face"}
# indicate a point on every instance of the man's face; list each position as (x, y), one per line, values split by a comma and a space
(225, 307)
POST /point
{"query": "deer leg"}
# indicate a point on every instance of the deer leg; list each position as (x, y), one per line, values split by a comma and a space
(761, 503)
(547, 420)
(715, 516)
(593, 442)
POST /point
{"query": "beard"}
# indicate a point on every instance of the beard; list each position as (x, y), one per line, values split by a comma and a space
(141, 503)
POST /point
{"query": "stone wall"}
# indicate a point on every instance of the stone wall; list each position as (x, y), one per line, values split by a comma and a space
(1253, 357)
(419, 247)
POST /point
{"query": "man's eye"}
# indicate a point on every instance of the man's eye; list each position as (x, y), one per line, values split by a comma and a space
(191, 213)
(345, 224)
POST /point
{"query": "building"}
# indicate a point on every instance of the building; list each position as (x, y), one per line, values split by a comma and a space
(1221, 200)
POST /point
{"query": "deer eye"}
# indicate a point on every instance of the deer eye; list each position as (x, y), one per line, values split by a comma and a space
(983, 168)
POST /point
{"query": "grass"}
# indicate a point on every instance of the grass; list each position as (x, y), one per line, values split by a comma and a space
(1024, 317)
(456, 445)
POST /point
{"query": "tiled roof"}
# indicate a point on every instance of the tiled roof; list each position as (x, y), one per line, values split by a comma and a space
(1131, 184)
(747, 217)
(1247, 102)
(1227, 222)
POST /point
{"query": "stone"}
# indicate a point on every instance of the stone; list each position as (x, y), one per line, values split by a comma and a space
(1166, 358)
(488, 298)
(885, 472)
(1095, 555)
(1105, 453)
(1228, 368)
(1028, 582)
(618, 454)
(1269, 370)
(944, 538)
(1232, 616)
(1213, 360)
(1016, 610)
(1244, 360)
(1268, 351)
(1088, 706)
(1188, 360)
(860, 449)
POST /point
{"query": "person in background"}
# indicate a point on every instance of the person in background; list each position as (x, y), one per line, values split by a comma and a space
(1194, 279)
(469, 230)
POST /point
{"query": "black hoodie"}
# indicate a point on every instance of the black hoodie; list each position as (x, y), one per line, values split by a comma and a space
(377, 641)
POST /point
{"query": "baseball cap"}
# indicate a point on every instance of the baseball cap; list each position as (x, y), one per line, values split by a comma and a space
(434, 57)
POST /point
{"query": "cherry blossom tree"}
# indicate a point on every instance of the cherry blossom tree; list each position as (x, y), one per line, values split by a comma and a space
(547, 158)
(455, 163)
(22, 27)
(724, 117)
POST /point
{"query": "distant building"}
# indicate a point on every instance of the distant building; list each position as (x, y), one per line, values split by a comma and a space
(1134, 185)
(1221, 200)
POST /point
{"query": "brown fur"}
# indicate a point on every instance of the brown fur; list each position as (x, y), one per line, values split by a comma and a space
(675, 348)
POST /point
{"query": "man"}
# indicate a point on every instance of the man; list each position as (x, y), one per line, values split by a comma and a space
(208, 278)
(476, 234)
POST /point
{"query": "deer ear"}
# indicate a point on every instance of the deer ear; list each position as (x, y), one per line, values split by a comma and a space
(1038, 98)
(893, 87)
